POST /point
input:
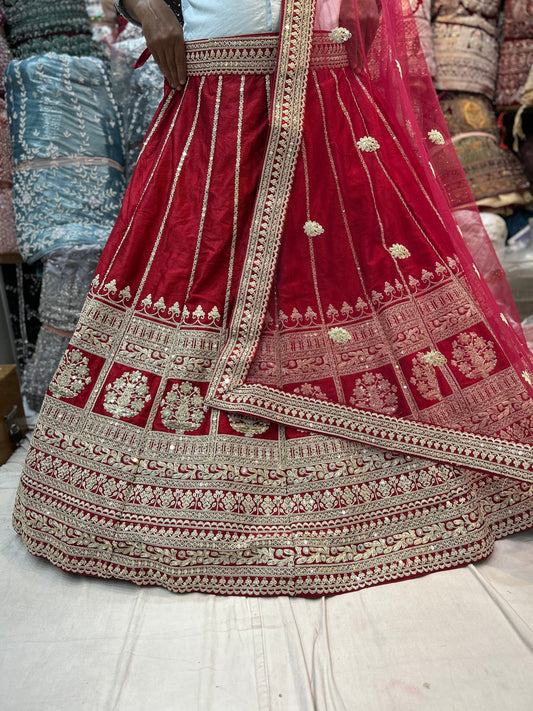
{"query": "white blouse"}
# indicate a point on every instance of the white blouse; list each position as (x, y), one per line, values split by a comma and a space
(203, 19)
(225, 18)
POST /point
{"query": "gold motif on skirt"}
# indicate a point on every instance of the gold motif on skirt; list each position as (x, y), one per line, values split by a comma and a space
(340, 34)
(183, 408)
(313, 229)
(368, 144)
(249, 426)
(373, 391)
(399, 251)
(436, 137)
(339, 335)
(72, 375)
(424, 377)
(127, 395)
(310, 390)
(474, 356)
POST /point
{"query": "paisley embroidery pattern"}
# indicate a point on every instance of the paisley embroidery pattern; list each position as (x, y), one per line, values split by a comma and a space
(127, 395)
(183, 408)
(72, 375)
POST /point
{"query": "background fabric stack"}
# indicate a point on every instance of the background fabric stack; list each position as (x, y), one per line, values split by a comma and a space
(422, 13)
(467, 52)
(38, 26)
(8, 242)
(138, 92)
(68, 179)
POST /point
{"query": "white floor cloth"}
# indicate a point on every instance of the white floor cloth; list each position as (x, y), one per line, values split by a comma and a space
(453, 641)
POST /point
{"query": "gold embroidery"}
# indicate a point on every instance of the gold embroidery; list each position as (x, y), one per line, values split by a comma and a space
(72, 375)
(249, 426)
(127, 395)
(434, 358)
(340, 34)
(257, 55)
(183, 408)
(368, 144)
(374, 391)
(310, 390)
(527, 377)
(436, 137)
(339, 335)
(313, 229)
(473, 355)
(210, 524)
(504, 319)
(424, 377)
(399, 251)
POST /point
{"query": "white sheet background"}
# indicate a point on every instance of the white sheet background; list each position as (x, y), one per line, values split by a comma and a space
(459, 640)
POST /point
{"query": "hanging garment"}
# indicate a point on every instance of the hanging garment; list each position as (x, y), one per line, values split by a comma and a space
(68, 179)
(516, 52)
(289, 376)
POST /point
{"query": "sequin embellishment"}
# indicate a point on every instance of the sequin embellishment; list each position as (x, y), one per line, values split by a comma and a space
(127, 396)
(313, 229)
(183, 408)
(72, 376)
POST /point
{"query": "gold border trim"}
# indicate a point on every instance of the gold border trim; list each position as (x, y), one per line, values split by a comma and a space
(256, 55)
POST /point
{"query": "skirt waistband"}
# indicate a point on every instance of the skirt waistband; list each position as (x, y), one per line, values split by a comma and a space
(255, 55)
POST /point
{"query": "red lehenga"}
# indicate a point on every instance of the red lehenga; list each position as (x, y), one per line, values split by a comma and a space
(289, 376)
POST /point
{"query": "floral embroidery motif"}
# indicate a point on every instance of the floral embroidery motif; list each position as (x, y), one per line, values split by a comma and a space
(249, 426)
(183, 408)
(399, 251)
(340, 34)
(313, 229)
(368, 144)
(373, 391)
(474, 356)
(72, 375)
(435, 358)
(436, 137)
(424, 376)
(339, 335)
(127, 396)
(311, 391)
(528, 377)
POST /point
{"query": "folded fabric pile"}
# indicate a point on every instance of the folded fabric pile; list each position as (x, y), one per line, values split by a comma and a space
(466, 51)
(516, 54)
(38, 26)
(68, 184)
(138, 92)
(67, 276)
(67, 152)
(103, 22)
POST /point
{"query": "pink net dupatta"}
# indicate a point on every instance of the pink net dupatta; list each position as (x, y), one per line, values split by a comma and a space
(371, 305)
